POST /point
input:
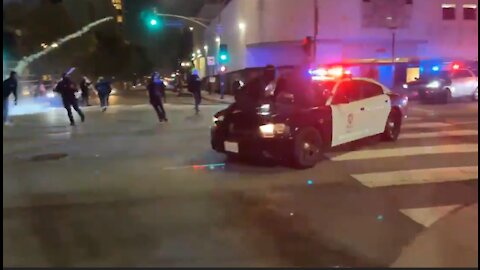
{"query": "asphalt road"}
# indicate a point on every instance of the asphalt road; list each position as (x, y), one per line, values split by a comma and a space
(124, 190)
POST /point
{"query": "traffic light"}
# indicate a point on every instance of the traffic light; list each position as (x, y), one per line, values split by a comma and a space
(307, 46)
(152, 20)
(223, 54)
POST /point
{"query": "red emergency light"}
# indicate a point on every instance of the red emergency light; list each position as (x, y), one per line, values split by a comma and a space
(336, 72)
(455, 66)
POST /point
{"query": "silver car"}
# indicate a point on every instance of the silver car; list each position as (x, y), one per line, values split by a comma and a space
(446, 85)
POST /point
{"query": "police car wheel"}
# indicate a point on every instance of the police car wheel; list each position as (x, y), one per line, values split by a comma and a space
(308, 148)
(392, 127)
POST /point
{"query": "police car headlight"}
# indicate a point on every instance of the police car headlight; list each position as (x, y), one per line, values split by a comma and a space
(405, 86)
(434, 84)
(270, 130)
(264, 109)
(217, 119)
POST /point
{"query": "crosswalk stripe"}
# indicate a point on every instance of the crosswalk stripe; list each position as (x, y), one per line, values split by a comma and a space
(429, 215)
(464, 122)
(426, 125)
(413, 118)
(418, 176)
(404, 151)
(446, 133)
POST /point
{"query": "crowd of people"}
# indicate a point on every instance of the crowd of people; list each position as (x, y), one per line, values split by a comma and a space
(67, 89)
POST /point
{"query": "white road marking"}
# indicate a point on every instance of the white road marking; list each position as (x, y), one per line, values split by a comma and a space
(413, 118)
(419, 176)
(426, 125)
(404, 151)
(429, 215)
(464, 122)
(422, 110)
(446, 133)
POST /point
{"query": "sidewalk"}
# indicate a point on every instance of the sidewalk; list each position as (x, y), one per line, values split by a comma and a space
(451, 242)
(227, 99)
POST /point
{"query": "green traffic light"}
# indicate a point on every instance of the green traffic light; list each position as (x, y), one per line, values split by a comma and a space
(153, 22)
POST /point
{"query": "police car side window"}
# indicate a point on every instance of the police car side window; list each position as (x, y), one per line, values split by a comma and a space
(370, 89)
(350, 89)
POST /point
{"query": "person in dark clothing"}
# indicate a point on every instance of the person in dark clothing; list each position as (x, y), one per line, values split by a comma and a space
(66, 88)
(9, 87)
(85, 88)
(156, 91)
(194, 87)
(103, 89)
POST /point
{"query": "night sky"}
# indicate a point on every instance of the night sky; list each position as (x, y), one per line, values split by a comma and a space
(169, 39)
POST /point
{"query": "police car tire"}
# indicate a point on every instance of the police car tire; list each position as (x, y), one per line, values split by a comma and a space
(391, 133)
(304, 158)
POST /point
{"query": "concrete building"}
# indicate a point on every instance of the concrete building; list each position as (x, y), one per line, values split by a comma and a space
(261, 32)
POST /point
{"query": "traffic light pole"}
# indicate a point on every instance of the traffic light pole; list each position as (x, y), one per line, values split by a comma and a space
(191, 19)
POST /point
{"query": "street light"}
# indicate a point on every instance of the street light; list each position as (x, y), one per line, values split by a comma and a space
(191, 28)
(54, 45)
(242, 26)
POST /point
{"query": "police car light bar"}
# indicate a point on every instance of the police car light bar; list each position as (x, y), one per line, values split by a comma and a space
(322, 74)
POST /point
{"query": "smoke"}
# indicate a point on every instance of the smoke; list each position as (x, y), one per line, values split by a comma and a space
(22, 64)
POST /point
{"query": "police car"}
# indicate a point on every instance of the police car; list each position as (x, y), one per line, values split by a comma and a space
(307, 116)
(444, 84)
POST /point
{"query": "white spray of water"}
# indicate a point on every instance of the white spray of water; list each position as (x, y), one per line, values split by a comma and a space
(22, 64)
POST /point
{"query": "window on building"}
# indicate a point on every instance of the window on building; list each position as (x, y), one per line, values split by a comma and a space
(448, 12)
(470, 12)
(117, 4)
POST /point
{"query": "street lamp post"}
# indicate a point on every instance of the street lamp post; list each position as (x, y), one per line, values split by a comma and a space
(392, 25)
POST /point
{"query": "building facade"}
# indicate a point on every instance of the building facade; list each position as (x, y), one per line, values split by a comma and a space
(261, 32)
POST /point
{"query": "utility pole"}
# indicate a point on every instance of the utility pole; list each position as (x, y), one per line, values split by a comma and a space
(315, 29)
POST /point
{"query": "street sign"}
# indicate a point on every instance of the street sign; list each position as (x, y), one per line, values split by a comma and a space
(211, 61)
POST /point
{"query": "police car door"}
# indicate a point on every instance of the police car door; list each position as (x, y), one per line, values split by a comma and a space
(376, 107)
(348, 115)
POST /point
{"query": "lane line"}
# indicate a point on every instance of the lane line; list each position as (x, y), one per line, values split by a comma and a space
(429, 215)
(417, 176)
(446, 133)
(426, 125)
(404, 151)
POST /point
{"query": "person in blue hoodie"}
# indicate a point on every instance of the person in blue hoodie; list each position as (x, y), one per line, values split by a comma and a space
(104, 89)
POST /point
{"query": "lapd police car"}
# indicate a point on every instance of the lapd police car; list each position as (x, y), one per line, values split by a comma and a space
(306, 117)
(446, 84)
